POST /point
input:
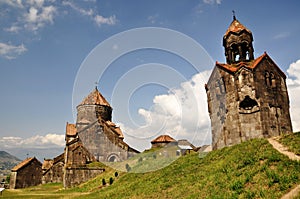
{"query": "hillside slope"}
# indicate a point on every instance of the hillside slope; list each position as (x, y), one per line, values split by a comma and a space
(7, 162)
(253, 169)
(249, 170)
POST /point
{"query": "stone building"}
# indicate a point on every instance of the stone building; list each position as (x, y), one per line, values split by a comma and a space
(53, 169)
(163, 140)
(76, 160)
(27, 173)
(247, 97)
(98, 134)
(93, 138)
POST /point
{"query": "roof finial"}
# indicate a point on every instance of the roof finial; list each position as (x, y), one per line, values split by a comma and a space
(233, 14)
(96, 84)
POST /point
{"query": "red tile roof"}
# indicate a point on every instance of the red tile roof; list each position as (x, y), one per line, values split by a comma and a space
(115, 128)
(163, 139)
(95, 98)
(71, 129)
(24, 163)
(249, 65)
(236, 27)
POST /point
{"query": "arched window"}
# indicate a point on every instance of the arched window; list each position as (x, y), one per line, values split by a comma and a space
(272, 80)
(113, 158)
(267, 78)
(235, 52)
(245, 51)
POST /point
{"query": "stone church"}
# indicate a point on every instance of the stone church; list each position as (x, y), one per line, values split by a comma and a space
(247, 96)
(97, 133)
(93, 138)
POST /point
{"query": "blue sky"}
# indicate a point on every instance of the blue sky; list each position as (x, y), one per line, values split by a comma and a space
(43, 44)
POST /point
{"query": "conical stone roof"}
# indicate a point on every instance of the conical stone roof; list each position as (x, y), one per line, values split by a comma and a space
(95, 98)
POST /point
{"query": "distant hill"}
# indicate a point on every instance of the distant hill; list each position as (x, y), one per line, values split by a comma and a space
(6, 157)
(39, 153)
(7, 162)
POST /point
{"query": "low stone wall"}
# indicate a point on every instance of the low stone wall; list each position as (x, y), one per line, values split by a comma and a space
(74, 176)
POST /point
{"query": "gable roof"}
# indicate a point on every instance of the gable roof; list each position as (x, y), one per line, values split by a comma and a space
(186, 143)
(25, 163)
(115, 128)
(71, 129)
(59, 158)
(47, 164)
(95, 98)
(163, 139)
(232, 68)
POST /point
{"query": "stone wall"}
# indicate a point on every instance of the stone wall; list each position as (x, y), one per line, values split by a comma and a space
(54, 174)
(248, 104)
(29, 175)
(75, 176)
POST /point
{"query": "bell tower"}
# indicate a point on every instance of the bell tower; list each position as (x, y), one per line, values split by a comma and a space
(247, 97)
(237, 42)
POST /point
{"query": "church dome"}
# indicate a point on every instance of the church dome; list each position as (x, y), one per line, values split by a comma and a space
(94, 105)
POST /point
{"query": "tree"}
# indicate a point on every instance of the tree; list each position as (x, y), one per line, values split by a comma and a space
(128, 168)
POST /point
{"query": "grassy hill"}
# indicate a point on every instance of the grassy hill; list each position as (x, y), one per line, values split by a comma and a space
(249, 170)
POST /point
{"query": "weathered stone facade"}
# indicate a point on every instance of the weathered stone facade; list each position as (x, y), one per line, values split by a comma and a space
(93, 138)
(247, 97)
(27, 173)
(98, 133)
(77, 157)
(53, 169)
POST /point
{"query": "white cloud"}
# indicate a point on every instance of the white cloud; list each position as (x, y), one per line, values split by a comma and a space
(105, 20)
(10, 51)
(13, 3)
(98, 19)
(38, 141)
(82, 11)
(153, 18)
(293, 83)
(182, 113)
(281, 35)
(13, 28)
(38, 3)
(38, 17)
(211, 2)
(36, 14)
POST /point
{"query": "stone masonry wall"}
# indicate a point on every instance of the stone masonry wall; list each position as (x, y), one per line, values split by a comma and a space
(247, 104)
(75, 176)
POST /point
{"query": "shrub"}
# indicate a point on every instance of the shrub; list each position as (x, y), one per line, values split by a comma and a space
(128, 168)
(116, 174)
(111, 180)
(103, 182)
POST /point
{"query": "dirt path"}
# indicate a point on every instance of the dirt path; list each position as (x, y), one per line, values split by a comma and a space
(284, 150)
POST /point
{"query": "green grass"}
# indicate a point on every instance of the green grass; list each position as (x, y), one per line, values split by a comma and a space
(292, 141)
(249, 170)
